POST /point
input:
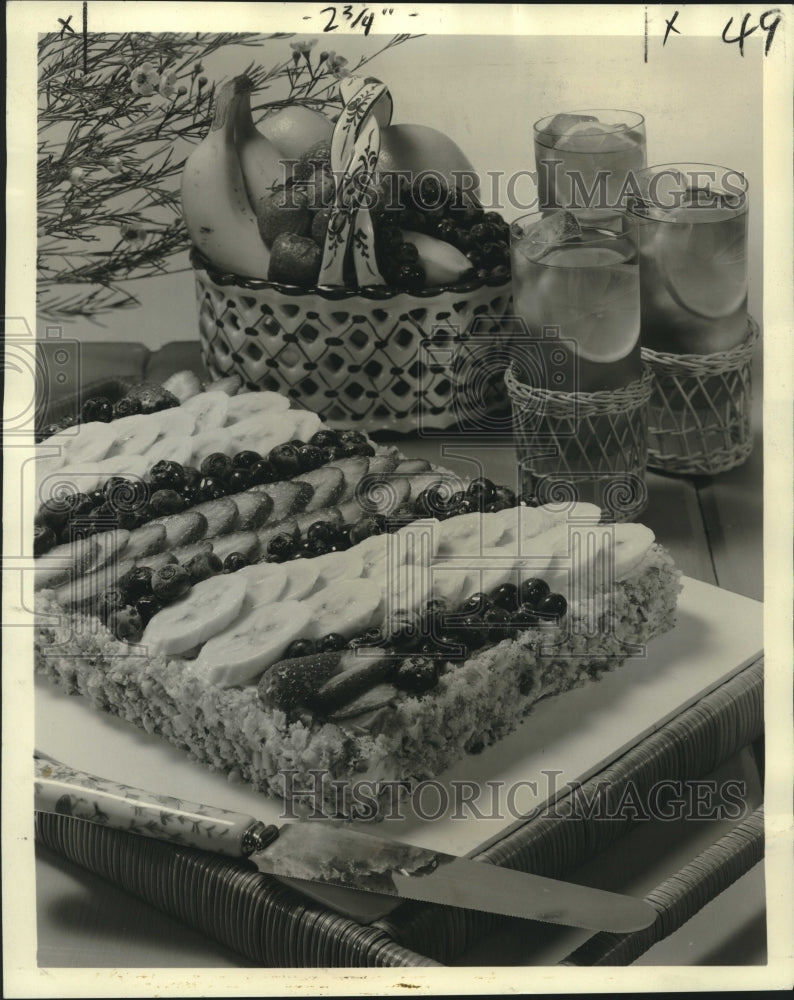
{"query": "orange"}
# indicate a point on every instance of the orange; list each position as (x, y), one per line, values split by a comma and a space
(295, 129)
(419, 148)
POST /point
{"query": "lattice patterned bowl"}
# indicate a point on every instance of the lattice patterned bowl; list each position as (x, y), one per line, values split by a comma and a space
(374, 357)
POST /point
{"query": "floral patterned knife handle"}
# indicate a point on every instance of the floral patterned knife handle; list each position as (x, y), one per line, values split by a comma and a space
(61, 789)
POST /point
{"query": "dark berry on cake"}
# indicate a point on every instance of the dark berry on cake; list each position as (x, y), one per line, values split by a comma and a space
(235, 561)
(216, 466)
(167, 475)
(166, 502)
(416, 674)
(203, 565)
(137, 583)
(169, 583)
(553, 607)
(246, 459)
(126, 624)
(534, 591)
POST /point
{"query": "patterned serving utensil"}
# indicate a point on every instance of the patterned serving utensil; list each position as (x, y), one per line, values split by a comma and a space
(362, 875)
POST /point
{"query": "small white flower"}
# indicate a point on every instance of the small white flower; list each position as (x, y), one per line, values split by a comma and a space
(336, 65)
(303, 48)
(115, 165)
(76, 176)
(168, 83)
(133, 234)
(144, 80)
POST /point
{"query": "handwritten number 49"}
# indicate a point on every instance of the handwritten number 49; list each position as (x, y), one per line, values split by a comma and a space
(763, 23)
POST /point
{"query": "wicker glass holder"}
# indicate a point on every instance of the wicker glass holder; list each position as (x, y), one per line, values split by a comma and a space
(589, 446)
(700, 408)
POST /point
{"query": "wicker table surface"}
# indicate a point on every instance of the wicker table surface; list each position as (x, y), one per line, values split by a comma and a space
(712, 526)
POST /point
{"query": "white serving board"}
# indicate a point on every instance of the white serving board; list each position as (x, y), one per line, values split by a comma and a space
(575, 734)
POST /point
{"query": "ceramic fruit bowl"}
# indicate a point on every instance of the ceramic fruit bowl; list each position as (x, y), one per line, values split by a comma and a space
(366, 282)
(378, 357)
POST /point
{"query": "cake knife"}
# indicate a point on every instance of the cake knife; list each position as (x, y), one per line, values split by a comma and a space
(362, 875)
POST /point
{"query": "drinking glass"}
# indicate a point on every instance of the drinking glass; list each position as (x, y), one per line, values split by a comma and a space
(692, 225)
(583, 158)
(576, 285)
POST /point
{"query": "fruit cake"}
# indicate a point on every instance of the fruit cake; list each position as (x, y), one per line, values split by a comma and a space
(303, 609)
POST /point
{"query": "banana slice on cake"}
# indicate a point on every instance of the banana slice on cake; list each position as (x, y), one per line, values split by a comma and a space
(411, 586)
(175, 421)
(129, 466)
(347, 565)
(494, 566)
(265, 583)
(302, 576)
(632, 542)
(382, 554)
(344, 607)
(249, 404)
(86, 443)
(521, 523)
(306, 423)
(208, 410)
(419, 541)
(453, 581)
(258, 638)
(373, 551)
(90, 476)
(172, 448)
(468, 534)
(269, 582)
(136, 434)
(207, 442)
(208, 608)
(261, 432)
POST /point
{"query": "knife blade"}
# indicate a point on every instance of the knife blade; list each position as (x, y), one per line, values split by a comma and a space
(360, 874)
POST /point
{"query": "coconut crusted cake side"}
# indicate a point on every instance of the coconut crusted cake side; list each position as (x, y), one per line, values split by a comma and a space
(476, 702)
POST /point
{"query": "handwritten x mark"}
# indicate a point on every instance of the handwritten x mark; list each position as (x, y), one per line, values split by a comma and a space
(670, 27)
(66, 26)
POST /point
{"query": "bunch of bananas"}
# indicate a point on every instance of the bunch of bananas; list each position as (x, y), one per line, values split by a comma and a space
(229, 174)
